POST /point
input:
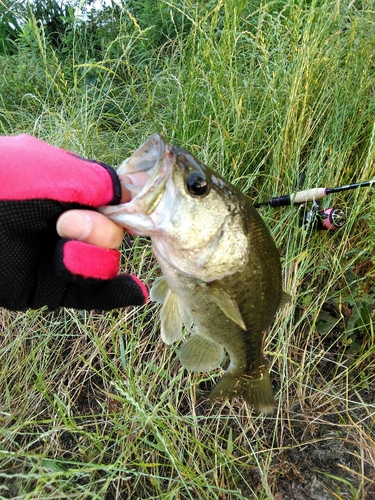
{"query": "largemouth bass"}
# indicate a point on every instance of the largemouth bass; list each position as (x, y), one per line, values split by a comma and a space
(221, 269)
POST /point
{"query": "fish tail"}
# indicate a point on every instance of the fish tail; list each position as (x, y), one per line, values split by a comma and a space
(255, 388)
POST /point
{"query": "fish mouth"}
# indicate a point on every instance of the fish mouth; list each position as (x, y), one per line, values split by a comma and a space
(144, 174)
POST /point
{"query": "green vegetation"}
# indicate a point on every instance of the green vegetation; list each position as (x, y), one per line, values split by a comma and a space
(94, 406)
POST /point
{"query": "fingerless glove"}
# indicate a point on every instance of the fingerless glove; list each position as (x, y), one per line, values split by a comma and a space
(38, 182)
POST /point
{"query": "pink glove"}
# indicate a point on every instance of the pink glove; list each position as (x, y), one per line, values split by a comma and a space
(38, 182)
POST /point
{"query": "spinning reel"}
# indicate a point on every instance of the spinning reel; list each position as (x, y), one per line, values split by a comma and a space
(328, 218)
(315, 218)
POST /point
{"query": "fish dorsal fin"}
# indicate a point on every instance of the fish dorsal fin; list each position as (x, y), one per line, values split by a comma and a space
(173, 315)
(285, 298)
(200, 354)
(159, 290)
(226, 304)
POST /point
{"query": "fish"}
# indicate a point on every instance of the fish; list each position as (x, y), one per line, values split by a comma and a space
(221, 271)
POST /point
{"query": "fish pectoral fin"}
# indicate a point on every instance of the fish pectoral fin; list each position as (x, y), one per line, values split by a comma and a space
(200, 354)
(226, 304)
(159, 290)
(285, 298)
(172, 316)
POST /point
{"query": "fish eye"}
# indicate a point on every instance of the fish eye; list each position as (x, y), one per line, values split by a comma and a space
(196, 184)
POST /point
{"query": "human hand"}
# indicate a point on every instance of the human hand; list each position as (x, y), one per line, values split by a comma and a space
(40, 184)
(90, 227)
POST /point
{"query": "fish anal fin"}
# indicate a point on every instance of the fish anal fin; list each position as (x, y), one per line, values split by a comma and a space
(201, 354)
(226, 303)
(255, 388)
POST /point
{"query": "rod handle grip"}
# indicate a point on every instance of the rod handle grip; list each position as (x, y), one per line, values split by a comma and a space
(307, 195)
(299, 197)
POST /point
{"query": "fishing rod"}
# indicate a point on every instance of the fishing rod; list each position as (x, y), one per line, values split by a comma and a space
(328, 218)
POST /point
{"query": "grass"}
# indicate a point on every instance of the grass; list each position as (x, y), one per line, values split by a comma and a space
(94, 405)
